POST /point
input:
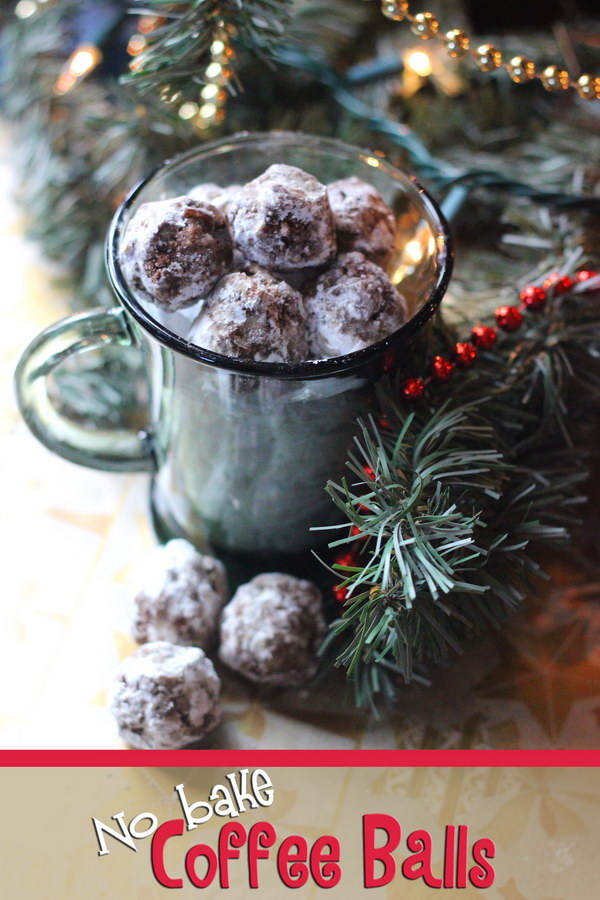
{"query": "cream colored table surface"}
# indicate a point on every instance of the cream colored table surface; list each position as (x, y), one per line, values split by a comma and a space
(70, 537)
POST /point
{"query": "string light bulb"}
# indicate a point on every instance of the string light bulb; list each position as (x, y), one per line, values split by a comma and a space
(81, 62)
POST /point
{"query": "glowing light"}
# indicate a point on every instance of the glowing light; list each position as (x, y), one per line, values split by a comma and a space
(25, 8)
(419, 62)
(213, 70)
(80, 63)
(83, 60)
(209, 91)
(207, 110)
(217, 47)
(136, 44)
(414, 251)
(188, 110)
(149, 23)
(371, 161)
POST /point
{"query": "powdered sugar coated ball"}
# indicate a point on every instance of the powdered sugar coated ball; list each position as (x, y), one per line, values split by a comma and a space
(271, 629)
(165, 696)
(352, 305)
(175, 250)
(221, 197)
(282, 220)
(363, 220)
(181, 596)
(253, 315)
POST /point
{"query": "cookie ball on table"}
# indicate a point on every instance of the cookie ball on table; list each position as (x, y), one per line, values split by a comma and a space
(282, 220)
(175, 250)
(180, 597)
(253, 315)
(165, 697)
(271, 630)
(352, 305)
(363, 220)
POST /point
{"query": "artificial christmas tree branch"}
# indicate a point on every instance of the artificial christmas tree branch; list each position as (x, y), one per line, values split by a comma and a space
(449, 493)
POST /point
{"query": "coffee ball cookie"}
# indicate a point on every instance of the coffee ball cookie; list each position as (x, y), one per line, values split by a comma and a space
(282, 220)
(165, 697)
(352, 305)
(363, 220)
(175, 250)
(253, 315)
(181, 596)
(221, 197)
(271, 630)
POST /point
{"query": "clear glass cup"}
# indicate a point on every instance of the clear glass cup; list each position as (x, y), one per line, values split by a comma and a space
(240, 451)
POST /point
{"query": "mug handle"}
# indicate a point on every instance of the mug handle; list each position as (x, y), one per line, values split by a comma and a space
(118, 449)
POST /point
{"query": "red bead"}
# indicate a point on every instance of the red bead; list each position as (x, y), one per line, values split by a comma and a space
(484, 336)
(384, 423)
(340, 593)
(346, 559)
(466, 354)
(369, 473)
(533, 296)
(509, 318)
(441, 368)
(355, 532)
(586, 274)
(389, 360)
(559, 284)
(413, 388)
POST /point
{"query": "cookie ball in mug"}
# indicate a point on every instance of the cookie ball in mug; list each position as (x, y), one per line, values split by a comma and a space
(221, 197)
(175, 250)
(351, 305)
(253, 315)
(180, 596)
(363, 220)
(165, 697)
(282, 220)
(271, 629)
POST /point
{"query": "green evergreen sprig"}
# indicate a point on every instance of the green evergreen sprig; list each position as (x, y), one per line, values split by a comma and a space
(448, 497)
(174, 50)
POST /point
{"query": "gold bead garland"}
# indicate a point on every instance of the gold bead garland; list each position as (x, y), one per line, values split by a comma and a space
(488, 59)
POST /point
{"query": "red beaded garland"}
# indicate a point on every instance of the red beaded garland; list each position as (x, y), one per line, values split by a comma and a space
(560, 284)
(441, 368)
(413, 388)
(484, 336)
(586, 274)
(533, 296)
(369, 472)
(356, 533)
(509, 318)
(466, 354)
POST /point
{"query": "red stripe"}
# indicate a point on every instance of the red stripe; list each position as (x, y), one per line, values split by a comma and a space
(304, 758)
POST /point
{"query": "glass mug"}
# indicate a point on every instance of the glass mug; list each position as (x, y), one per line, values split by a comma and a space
(240, 451)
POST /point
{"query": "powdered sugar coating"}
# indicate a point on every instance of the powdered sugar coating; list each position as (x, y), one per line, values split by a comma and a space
(181, 596)
(175, 250)
(271, 629)
(352, 305)
(221, 197)
(165, 696)
(282, 220)
(253, 315)
(363, 220)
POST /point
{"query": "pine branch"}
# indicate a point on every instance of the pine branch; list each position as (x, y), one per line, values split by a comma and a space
(175, 50)
(447, 499)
